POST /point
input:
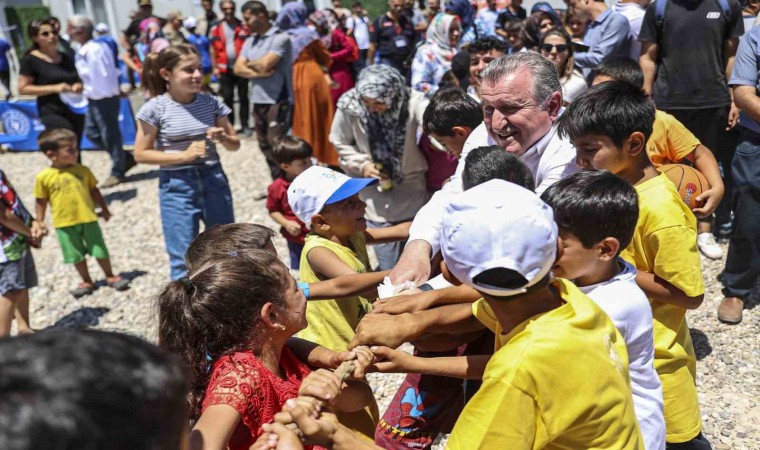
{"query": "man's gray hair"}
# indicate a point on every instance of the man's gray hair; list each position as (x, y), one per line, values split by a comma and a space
(82, 23)
(544, 73)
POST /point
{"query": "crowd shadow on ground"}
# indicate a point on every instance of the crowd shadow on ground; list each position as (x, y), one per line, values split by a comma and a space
(84, 317)
(702, 347)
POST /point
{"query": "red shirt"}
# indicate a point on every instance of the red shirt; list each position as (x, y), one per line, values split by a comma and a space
(277, 201)
(219, 41)
(244, 383)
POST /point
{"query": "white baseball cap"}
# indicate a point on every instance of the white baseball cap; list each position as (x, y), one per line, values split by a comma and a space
(318, 186)
(499, 224)
(101, 28)
(190, 22)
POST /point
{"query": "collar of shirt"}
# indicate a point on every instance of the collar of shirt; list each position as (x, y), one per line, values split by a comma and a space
(602, 17)
(534, 153)
(272, 30)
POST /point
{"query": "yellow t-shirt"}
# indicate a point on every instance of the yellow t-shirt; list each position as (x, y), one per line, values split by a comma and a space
(68, 192)
(671, 141)
(559, 381)
(665, 244)
(332, 323)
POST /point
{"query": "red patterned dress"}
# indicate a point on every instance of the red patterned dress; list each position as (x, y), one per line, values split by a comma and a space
(244, 383)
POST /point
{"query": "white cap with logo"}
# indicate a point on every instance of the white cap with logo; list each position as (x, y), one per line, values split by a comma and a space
(318, 186)
(499, 225)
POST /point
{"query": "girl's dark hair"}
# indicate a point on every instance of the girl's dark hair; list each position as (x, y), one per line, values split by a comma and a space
(531, 32)
(33, 29)
(224, 239)
(287, 148)
(167, 59)
(570, 63)
(215, 311)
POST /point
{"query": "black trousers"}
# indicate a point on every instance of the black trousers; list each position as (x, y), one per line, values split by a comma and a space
(271, 122)
(228, 82)
(743, 261)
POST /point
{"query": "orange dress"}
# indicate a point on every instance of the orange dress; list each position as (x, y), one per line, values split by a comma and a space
(313, 108)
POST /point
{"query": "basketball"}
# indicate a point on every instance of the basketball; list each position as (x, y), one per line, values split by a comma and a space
(690, 183)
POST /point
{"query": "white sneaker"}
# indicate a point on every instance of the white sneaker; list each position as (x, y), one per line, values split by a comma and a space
(708, 246)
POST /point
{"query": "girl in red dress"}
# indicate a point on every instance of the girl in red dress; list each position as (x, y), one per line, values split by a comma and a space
(232, 321)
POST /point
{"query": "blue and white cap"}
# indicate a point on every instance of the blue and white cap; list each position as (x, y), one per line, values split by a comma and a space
(319, 186)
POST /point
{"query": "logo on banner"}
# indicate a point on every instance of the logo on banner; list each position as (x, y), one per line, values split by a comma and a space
(15, 122)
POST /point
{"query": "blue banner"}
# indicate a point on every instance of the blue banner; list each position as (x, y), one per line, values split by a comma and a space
(20, 125)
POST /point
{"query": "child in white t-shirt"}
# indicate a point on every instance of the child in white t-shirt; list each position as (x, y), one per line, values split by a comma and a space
(596, 213)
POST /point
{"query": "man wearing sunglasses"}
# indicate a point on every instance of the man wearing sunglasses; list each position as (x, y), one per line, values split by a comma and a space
(607, 36)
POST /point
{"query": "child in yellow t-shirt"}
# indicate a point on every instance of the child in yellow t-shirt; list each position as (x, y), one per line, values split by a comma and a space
(609, 125)
(671, 142)
(71, 191)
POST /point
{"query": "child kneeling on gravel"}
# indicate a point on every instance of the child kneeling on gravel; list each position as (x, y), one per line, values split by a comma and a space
(71, 189)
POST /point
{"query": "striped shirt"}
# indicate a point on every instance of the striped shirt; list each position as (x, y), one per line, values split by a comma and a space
(179, 125)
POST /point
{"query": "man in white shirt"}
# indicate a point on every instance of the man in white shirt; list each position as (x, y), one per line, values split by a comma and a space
(633, 10)
(522, 98)
(100, 77)
(358, 27)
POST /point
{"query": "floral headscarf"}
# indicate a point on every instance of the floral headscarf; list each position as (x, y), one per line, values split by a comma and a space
(292, 19)
(438, 38)
(387, 130)
(321, 20)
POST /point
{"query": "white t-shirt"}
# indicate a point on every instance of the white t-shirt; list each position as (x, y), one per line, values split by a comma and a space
(550, 160)
(360, 27)
(573, 86)
(629, 309)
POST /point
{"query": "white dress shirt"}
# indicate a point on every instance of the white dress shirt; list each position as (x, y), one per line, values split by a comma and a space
(549, 160)
(97, 69)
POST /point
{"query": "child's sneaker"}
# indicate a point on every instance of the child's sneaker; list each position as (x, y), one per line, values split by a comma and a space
(708, 246)
(118, 283)
(82, 289)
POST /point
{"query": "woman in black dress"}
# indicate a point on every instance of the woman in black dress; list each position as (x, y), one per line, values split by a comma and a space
(47, 73)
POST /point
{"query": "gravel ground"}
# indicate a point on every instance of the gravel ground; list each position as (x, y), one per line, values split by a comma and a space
(729, 356)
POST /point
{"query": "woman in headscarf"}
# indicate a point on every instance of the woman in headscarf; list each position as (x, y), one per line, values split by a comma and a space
(433, 58)
(375, 135)
(342, 51)
(313, 108)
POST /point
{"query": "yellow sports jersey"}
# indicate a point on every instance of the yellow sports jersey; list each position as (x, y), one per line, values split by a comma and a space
(559, 381)
(332, 323)
(68, 193)
(665, 244)
(671, 141)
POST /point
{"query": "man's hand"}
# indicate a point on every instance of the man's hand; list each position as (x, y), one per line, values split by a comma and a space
(292, 227)
(392, 361)
(384, 329)
(712, 198)
(361, 356)
(733, 116)
(414, 264)
(403, 304)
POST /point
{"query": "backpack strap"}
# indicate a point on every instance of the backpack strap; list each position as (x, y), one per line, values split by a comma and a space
(660, 8)
(726, 9)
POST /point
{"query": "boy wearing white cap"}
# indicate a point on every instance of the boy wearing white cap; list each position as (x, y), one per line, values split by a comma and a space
(560, 377)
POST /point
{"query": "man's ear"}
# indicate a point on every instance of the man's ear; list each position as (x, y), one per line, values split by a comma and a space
(554, 104)
(448, 276)
(608, 248)
(636, 143)
(560, 250)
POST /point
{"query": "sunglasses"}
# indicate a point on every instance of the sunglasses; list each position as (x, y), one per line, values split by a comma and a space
(560, 48)
(48, 33)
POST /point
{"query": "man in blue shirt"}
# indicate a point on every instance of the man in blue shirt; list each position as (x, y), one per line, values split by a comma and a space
(490, 15)
(5, 67)
(607, 36)
(743, 261)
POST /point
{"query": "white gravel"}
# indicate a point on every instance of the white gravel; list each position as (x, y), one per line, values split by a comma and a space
(729, 356)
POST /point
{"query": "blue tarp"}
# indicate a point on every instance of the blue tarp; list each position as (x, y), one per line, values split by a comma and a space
(21, 125)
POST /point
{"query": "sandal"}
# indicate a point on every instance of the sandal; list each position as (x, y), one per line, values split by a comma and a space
(82, 289)
(118, 283)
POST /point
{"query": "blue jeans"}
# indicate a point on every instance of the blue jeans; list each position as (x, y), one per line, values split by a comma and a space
(295, 251)
(743, 260)
(102, 128)
(188, 196)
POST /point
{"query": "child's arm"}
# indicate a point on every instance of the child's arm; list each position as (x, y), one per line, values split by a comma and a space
(292, 227)
(224, 133)
(393, 330)
(327, 263)
(13, 222)
(98, 199)
(347, 396)
(705, 162)
(39, 228)
(387, 234)
(214, 428)
(426, 300)
(347, 285)
(146, 154)
(660, 290)
(323, 358)
(469, 367)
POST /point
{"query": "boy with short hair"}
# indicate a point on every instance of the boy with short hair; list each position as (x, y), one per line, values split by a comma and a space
(609, 125)
(539, 321)
(71, 190)
(450, 117)
(596, 213)
(670, 143)
(293, 155)
(17, 272)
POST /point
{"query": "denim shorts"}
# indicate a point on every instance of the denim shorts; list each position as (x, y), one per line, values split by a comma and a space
(19, 274)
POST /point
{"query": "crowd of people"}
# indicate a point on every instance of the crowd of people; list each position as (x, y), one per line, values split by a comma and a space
(505, 168)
